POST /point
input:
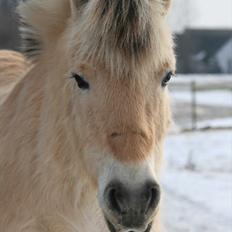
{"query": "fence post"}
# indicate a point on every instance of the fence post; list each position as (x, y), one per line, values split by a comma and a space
(194, 105)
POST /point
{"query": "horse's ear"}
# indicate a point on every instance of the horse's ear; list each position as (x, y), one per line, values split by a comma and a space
(166, 4)
(75, 5)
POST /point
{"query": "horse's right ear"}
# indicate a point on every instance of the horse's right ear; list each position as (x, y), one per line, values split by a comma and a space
(75, 5)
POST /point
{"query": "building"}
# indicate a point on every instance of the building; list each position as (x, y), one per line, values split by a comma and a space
(9, 34)
(203, 34)
(204, 51)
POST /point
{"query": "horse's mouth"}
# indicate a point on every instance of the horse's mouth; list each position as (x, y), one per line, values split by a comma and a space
(113, 229)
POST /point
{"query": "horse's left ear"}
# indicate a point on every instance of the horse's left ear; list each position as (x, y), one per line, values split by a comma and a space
(75, 5)
(166, 4)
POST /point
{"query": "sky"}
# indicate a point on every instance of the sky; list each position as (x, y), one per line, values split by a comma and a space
(209, 14)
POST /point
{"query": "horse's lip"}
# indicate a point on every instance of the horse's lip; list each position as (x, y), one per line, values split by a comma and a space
(112, 228)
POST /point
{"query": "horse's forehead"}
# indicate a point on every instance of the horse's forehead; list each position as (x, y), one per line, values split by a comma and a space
(93, 70)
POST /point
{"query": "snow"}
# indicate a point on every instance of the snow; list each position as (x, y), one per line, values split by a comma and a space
(216, 123)
(203, 79)
(212, 98)
(208, 151)
(197, 203)
(197, 178)
(198, 182)
(223, 56)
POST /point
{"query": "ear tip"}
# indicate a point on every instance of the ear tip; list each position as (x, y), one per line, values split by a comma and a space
(167, 5)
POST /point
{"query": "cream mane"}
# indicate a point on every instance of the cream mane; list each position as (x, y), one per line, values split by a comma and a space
(122, 35)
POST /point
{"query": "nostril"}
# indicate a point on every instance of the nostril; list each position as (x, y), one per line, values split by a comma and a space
(116, 199)
(115, 134)
(113, 200)
(153, 197)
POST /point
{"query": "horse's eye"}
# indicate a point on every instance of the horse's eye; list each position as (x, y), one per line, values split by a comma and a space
(81, 82)
(167, 78)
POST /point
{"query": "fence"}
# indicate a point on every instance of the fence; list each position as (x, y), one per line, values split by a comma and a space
(202, 101)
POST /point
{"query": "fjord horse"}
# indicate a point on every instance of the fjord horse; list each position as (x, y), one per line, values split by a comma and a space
(13, 66)
(81, 134)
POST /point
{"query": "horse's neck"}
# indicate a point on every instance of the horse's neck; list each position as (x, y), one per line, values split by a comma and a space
(36, 136)
(36, 107)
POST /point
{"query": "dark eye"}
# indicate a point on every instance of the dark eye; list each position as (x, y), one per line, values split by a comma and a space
(167, 78)
(81, 82)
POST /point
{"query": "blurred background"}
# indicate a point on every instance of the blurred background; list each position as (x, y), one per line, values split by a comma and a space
(197, 177)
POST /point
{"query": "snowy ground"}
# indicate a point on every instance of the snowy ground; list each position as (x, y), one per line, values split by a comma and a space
(197, 179)
(198, 182)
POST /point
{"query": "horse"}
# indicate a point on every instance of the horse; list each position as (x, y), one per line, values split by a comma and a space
(13, 66)
(82, 132)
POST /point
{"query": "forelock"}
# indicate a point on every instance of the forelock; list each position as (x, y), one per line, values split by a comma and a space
(123, 35)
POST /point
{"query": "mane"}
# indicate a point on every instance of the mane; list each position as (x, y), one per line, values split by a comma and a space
(31, 45)
(106, 31)
(124, 25)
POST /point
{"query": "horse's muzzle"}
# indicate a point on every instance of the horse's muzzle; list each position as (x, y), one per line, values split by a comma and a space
(131, 210)
(113, 229)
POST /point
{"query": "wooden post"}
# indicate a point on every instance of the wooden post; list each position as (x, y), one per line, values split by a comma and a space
(194, 105)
